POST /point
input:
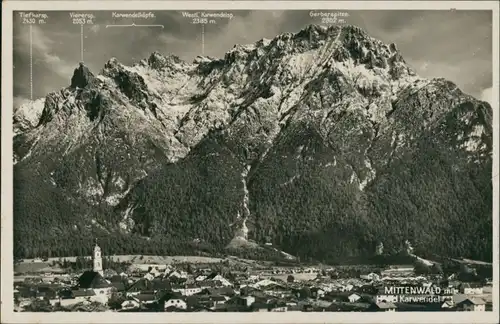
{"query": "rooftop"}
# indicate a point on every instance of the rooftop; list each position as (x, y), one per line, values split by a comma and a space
(386, 305)
(473, 301)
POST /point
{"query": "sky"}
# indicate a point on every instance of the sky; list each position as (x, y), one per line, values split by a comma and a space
(456, 45)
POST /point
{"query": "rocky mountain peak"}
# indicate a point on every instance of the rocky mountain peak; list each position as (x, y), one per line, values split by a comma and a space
(339, 43)
(82, 76)
(111, 64)
(159, 61)
(201, 59)
(314, 52)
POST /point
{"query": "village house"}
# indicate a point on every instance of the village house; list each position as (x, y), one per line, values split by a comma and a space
(370, 276)
(317, 292)
(345, 287)
(145, 298)
(221, 279)
(47, 278)
(244, 300)
(277, 290)
(383, 307)
(155, 272)
(186, 290)
(333, 296)
(210, 302)
(253, 278)
(456, 299)
(24, 303)
(177, 274)
(147, 267)
(231, 306)
(93, 280)
(353, 298)
(139, 286)
(161, 284)
(263, 283)
(119, 287)
(257, 293)
(278, 307)
(223, 291)
(447, 305)
(200, 278)
(108, 273)
(473, 304)
(116, 278)
(16, 294)
(326, 287)
(46, 291)
(175, 304)
(130, 304)
(55, 301)
(79, 295)
(206, 284)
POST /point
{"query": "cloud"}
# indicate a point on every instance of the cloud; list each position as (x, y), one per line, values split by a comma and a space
(42, 47)
(487, 95)
(220, 38)
(19, 101)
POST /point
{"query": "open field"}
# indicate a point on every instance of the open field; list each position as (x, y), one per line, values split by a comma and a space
(32, 265)
(39, 267)
(140, 259)
(475, 262)
(296, 276)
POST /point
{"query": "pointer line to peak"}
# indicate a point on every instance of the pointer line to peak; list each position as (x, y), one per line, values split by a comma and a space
(134, 25)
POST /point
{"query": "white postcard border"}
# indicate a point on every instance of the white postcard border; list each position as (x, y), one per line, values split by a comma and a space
(7, 314)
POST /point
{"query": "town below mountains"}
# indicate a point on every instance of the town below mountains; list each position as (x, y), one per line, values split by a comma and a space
(202, 284)
(316, 146)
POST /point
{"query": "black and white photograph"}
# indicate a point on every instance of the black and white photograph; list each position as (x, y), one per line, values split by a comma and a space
(266, 161)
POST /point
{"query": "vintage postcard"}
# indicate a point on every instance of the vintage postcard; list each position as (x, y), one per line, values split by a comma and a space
(250, 161)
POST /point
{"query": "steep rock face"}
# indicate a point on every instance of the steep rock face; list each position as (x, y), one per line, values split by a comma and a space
(324, 142)
(81, 77)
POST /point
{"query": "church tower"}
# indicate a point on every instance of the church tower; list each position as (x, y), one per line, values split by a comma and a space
(97, 258)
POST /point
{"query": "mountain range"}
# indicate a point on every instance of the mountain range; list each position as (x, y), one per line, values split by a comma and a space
(323, 142)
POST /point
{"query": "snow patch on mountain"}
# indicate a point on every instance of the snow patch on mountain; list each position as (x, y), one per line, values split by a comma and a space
(370, 176)
(473, 143)
(127, 222)
(91, 189)
(27, 114)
